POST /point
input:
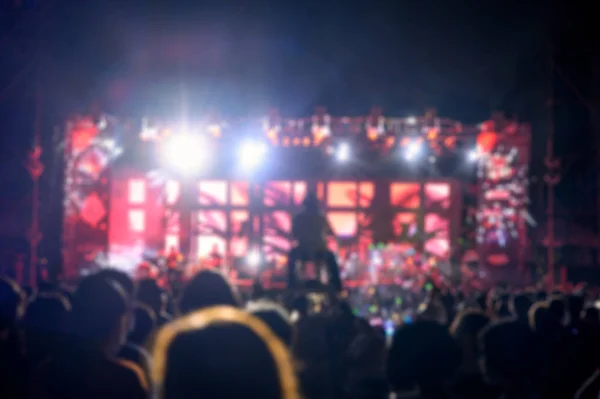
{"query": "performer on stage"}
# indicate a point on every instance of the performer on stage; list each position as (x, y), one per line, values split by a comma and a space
(173, 258)
(310, 228)
(174, 261)
(215, 257)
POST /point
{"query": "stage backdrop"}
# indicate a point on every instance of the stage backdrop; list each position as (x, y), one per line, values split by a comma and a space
(229, 221)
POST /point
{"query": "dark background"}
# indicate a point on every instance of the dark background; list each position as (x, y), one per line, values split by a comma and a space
(465, 58)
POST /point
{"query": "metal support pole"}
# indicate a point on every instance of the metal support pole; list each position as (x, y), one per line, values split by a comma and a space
(551, 178)
(35, 167)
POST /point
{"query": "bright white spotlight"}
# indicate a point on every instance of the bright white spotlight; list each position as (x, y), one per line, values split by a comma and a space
(413, 150)
(474, 155)
(252, 153)
(411, 120)
(109, 144)
(253, 259)
(343, 152)
(185, 152)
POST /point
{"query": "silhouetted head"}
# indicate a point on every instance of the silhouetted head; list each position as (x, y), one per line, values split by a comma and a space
(100, 312)
(576, 303)
(509, 352)
(44, 325)
(422, 354)
(520, 305)
(556, 310)
(47, 312)
(207, 288)
(538, 316)
(465, 329)
(240, 358)
(311, 201)
(149, 293)
(591, 315)
(119, 277)
(469, 323)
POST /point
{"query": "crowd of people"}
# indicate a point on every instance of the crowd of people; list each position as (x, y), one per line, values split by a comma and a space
(112, 337)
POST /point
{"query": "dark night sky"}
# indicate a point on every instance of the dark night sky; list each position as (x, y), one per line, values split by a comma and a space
(464, 57)
(460, 56)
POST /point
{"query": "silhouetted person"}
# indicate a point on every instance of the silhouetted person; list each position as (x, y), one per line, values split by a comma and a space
(510, 359)
(122, 278)
(207, 288)
(222, 353)
(12, 361)
(423, 356)
(87, 366)
(365, 361)
(216, 257)
(310, 228)
(538, 317)
(45, 327)
(469, 382)
(519, 307)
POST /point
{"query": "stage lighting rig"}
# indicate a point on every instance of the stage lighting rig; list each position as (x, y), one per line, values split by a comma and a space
(254, 259)
(343, 152)
(185, 153)
(474, 155)
(413, 150)
(252, 154)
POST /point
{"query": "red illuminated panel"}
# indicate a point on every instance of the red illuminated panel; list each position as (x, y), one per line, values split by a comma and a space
(240, 229)
(212, 222)
(405, 224)
(405, 228)
(210, 243)
(126, 228)
(321, 191)
(405, 195)
(497, 194)
(278, 223)
(438, 194)
(277, 240)
(213, 193)
(365, 221)
(239, 193)
(136, 220)
(93, 210)
(172, 226)
(439, 247)
(137, 191)
(367, 192)
(171, 241)
(343, 224)
(119, 233)
(277, 193)
(342, 195)
(437, 226)
(91, 163)
(300, 188)
(172, 191)
(82, 135)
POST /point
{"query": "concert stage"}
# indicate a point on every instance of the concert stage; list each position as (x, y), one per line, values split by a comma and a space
(385, 183)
